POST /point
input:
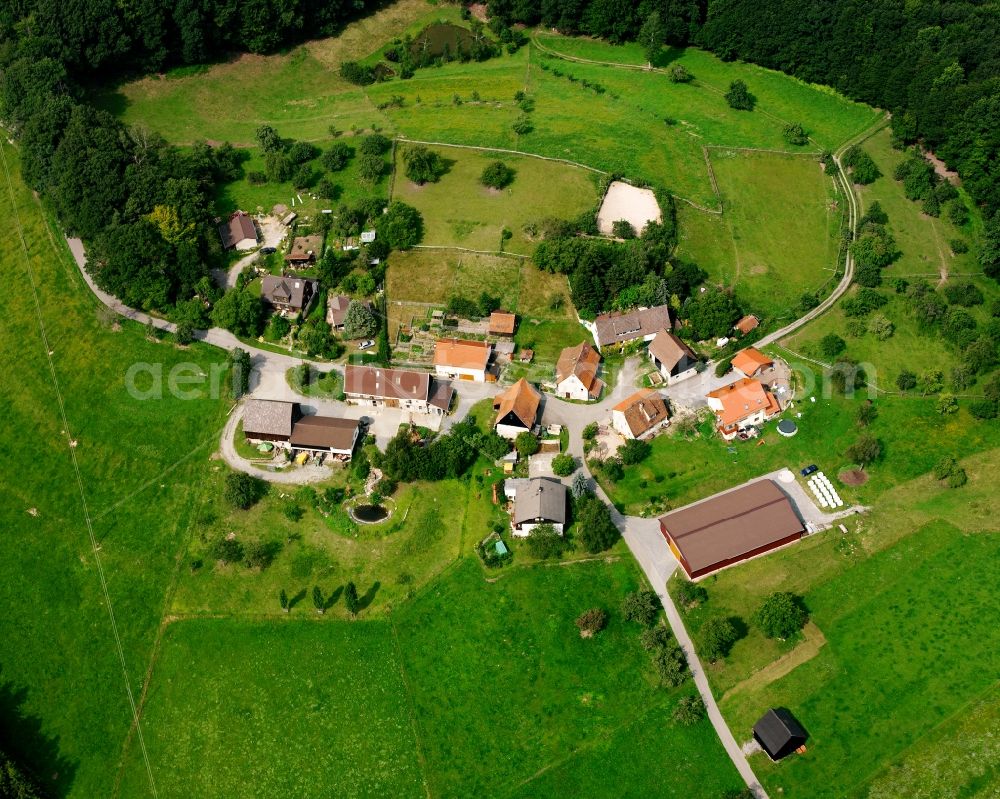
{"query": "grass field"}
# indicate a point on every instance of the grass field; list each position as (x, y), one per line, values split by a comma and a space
(909, 648)
(141, 463)
(474, 687)
(778, 235)
(922, 240)
(296, 708)
(460, 212)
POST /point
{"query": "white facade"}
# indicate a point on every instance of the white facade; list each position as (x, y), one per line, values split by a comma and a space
(525, 529)
(460, 373)
(573, 388)
(674, 379)
(510, 431)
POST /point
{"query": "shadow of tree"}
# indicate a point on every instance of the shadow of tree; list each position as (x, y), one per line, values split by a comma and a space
(293, 601)
(334, 598)
(369, 597)
(36, 754)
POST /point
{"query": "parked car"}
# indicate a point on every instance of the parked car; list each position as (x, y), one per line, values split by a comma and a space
(267, 250)
(366, 344)
(809, 470)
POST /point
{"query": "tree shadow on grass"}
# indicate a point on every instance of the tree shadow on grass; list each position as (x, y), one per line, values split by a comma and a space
(37, 755)
(334, 598)
(369, 597)
(667, 56)
(293, 601)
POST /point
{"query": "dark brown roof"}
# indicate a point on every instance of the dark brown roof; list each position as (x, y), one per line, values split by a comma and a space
(643, 411)
(398, 384)
(670, 350)
(620, 327)
(268, 417)
(324, 431)
(731, 525)
(239, 226)
(285, 290)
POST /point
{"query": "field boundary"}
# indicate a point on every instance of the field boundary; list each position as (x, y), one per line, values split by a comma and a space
(497, 253)
(813, 641)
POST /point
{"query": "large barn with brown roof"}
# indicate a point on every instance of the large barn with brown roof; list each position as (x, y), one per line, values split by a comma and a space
(731, 527)
(397, 388)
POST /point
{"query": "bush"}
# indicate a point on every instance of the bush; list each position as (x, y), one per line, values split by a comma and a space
(544, 542)
(964, 294)
(716, 638)
(526, 444)
(781, 615)
(831, 345)
(497, 175)
(613, 469)
(641, 606)
(371, 168)
(958, 246)
(355, 73)
(671, 665)
(948, 471)
(690, 595)
(243, 490)
(739, 96)
(689, 710)
(678, 74)
(947, 404)
(634, 451)
(591, 622)
(522, 126)
(228, 550)
(622, 229)
(984, 409)
(594, 526)
(563, 465)
(795, 135)
(423, 165)
(590, 431)
(867, 413)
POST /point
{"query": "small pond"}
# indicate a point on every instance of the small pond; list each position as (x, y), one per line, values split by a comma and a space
(435, 40)
(369, 514)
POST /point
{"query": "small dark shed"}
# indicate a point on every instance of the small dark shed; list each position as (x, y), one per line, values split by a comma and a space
(779, 733)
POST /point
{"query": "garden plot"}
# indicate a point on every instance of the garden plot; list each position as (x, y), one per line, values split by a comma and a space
(636, 206)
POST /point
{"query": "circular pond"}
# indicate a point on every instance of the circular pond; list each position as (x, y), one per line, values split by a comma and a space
(369, 514)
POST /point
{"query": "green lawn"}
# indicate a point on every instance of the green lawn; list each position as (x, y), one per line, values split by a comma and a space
(141, 466)
(903, 601)
(509, 649)
(289, 708)
(387, 561)
(778, 236)
(459, 211)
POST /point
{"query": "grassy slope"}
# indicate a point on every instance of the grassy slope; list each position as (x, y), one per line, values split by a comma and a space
(917, 236)
(906, 648)
(140, 465)
(509, 649)
(459, 211)
(778, 236)
(264, 709)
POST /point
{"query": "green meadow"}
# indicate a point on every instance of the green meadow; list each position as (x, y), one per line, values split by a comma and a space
(907, 655)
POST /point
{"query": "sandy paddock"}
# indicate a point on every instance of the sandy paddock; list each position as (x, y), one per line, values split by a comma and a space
(623, 201)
